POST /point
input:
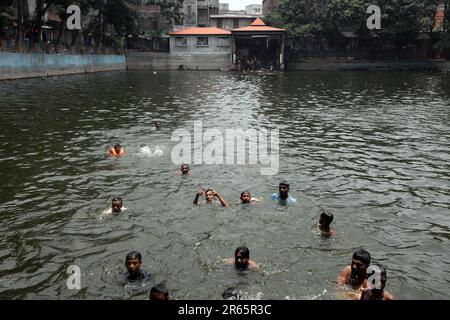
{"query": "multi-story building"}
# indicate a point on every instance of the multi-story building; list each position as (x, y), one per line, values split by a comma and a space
(232, 20)
(197, 12)
(224, 8)
(255, 9)
(151, 19)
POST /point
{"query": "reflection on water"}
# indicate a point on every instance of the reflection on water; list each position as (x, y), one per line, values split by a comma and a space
(373, 148)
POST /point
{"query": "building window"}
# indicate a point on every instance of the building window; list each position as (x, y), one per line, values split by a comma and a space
(189, 11)
(181, 41)
(202, 41)
(219, 23)
(223, 42)
(236, 23)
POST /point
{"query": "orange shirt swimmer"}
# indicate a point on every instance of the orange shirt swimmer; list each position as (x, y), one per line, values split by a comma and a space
(116, 151)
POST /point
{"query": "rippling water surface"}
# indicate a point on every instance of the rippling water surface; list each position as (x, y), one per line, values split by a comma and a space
(373, 148)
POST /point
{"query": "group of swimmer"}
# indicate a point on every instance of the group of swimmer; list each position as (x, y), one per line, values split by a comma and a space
(355, 276)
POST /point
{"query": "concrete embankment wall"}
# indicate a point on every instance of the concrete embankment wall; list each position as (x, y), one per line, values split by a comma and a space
(336, 65)
(443, 66)
(167, 61)
(24, 65)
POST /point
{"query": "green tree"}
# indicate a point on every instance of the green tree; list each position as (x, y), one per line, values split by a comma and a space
(344, 15)
(6, 11)
(302, 19)
(403, 20)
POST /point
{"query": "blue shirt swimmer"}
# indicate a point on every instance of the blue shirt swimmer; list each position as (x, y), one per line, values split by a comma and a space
(283, 195)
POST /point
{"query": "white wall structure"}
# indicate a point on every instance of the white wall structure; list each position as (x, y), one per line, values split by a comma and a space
(255, 9)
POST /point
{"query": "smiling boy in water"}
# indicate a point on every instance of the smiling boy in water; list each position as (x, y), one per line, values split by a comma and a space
(246, 197)
(210, 194)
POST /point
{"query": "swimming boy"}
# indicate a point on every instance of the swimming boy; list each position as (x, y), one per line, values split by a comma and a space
(242, 260)
(133, 263)
(184, 170)
(117, 151)
(116, 206)
(373, 293)
(246, 197)
(324, 223)
(355, 275)
(283, 194)
(159, 292)
(210, 194)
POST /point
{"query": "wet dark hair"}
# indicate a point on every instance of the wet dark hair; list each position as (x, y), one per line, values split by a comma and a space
(363, 256)
(244, 192)
(284, 183)
(184, 165)
(134, 255)
(245, 253)
(159, 288)
(231, 294)
(208, 190)
(328, 216)
(117, 199)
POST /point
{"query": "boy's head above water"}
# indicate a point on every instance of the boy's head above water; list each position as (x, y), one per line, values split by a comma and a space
(159, 292)
(360, 263)
(133, 262)
(241, 258)
(246, 197)
(184, 169)
(325, 219)
(117, 205)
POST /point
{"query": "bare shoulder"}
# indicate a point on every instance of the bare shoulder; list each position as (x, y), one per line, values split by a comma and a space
(253, 265)
(388, 296)
(344, 275)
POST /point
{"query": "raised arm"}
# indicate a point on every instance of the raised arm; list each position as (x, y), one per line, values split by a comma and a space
(197, 196)
(221, 199)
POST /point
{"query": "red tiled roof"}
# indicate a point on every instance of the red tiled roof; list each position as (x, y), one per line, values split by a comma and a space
(258, 26)
(258, 22)
(200, 31)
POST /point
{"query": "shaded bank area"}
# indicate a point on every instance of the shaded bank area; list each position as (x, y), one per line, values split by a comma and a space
(367, 65)
(23, 65)
(167, 61)
(20, 65)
